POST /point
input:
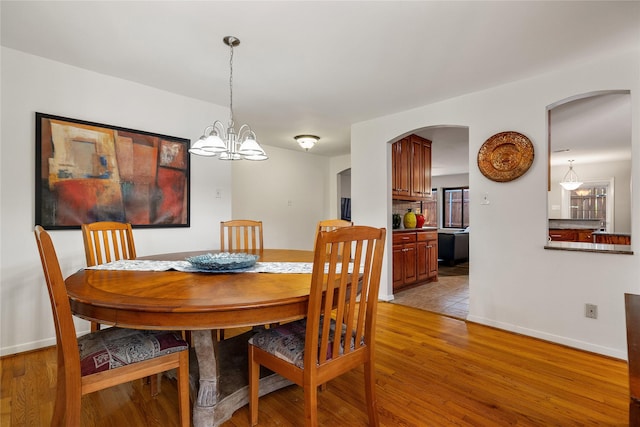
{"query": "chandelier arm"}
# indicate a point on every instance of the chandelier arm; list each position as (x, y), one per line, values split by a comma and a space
(207, 131)
(219, 128)
(244, 130)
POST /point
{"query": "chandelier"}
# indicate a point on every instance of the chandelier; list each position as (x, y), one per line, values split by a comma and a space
(226, 143)
(570, 180)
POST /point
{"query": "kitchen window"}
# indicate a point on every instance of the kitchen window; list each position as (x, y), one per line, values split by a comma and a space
(592, 200)
(455, 203)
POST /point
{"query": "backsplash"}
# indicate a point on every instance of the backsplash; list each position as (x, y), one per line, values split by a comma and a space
(401, 206)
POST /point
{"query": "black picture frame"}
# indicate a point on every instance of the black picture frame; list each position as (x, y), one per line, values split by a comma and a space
(88, 172)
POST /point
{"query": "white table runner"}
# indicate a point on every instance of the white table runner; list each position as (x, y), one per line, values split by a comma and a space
(186, 266)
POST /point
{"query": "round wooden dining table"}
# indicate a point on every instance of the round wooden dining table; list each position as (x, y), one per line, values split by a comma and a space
(198, 302)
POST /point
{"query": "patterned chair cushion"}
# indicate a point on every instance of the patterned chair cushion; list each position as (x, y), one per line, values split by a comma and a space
(115, 347)
(287, 341)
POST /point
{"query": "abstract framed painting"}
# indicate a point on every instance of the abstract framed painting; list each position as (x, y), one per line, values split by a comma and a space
(88, 172)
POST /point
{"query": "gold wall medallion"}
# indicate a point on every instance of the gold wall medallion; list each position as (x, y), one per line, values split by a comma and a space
(505, 156)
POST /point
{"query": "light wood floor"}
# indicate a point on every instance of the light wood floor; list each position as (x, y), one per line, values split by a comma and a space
(431, 371)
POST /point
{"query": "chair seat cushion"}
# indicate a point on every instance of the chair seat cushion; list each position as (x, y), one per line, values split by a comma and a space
(287, 341)
(115, 347)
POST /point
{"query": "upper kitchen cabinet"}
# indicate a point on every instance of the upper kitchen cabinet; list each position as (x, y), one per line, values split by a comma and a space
(411, 178)
(401, 160)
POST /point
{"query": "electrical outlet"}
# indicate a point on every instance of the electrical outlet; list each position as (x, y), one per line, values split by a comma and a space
(591, 311)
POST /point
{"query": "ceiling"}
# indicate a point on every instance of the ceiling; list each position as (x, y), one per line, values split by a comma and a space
(316, 67)
(591, 129)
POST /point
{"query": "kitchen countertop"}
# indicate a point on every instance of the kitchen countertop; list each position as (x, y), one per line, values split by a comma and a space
(611, 234)
(574, 224)
(407, 230)
(590, 247)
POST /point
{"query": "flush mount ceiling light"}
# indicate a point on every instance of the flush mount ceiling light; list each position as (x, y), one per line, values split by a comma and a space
(228, 144)
(307, 141)
(570, 180)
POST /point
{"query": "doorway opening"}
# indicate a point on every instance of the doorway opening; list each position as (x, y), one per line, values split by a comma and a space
(344, 194)
(449, 295)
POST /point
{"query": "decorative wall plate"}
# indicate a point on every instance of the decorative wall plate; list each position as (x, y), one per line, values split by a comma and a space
(505, 156)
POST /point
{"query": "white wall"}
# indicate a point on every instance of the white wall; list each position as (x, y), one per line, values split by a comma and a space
(289, 193)
(32, 84)
(516, 284)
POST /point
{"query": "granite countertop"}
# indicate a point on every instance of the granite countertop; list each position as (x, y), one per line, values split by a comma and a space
(407, 230)
(590, 247)
(574, 224)
(574, 227)
(611, 234)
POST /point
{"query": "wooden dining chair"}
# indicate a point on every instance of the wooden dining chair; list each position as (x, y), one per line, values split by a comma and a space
(632, 312)
(107, 241)
(107, 357)
(338, 332)
(241, 235)
(328, 225)
(331, 224)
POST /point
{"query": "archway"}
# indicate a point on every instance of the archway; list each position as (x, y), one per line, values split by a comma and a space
(449, 169)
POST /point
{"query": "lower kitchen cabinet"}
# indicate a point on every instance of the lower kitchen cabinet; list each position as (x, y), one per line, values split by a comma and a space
(415, 257)
(571, 235)
(612, 239)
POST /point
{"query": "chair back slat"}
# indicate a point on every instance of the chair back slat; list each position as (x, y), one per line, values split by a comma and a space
(108, 241)
(241, 235)
(344, 287)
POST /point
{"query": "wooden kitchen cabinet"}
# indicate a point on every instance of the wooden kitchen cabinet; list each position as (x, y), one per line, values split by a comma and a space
(612, 239)
(561, 235)
(404, 259)
(585, 236)
(571, 235)
(427, 255)
(415, 258)
(411, 160)
(401, 161)
(420, 167)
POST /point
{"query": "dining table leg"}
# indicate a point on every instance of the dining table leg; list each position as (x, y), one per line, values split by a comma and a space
(208, 393)
(219, 397)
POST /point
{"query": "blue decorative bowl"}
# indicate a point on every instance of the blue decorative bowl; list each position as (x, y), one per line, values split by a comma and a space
(223, 261)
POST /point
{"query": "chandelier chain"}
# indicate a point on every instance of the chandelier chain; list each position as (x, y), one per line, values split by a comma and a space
(231, 86)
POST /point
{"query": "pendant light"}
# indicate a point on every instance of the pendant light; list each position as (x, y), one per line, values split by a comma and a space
(570, 180)
(226, 143)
